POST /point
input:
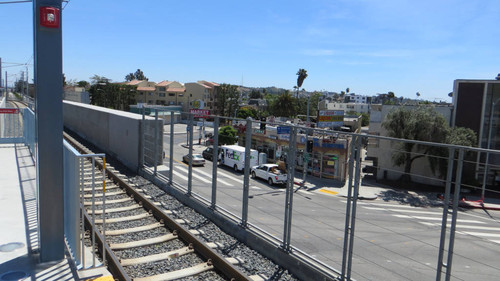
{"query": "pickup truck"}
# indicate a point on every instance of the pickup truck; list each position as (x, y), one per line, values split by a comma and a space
(269, 172)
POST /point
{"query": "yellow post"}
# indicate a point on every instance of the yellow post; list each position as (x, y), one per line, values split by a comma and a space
(104, 174)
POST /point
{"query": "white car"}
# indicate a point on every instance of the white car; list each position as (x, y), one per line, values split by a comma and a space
(197, 159)
(269, 172)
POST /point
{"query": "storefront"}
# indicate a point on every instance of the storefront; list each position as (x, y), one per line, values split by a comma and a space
(327, 160)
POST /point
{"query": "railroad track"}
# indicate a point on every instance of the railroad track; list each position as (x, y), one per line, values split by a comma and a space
(140, 240)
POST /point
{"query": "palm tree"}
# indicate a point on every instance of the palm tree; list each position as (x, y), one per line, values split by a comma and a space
(302, 75)
(284, 105)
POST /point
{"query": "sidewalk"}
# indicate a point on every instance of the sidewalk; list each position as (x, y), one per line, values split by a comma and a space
(19, 245)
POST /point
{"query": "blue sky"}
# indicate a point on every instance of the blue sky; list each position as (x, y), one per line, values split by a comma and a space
(370, 46)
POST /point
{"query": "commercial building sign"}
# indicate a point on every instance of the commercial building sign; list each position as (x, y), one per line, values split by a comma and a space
(200, 113)
(331, 118)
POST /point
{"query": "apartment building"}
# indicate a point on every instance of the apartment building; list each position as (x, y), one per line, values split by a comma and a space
(145, 91)
(202, 95)
(353, 98)
(357, 107)
(171, 93)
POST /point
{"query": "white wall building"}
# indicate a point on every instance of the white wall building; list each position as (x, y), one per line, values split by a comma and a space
(358, 107)
(381, 151)
(353, 98)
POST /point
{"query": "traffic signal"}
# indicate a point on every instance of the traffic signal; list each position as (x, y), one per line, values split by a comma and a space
(309, 146)
(262, 124)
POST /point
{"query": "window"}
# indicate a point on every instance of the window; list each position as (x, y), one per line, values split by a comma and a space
(140, 93)
(150, 94)
(161, 89)
(162, 94)
(171, 94)
(181, 95)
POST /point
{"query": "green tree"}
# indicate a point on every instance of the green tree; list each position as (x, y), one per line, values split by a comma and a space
(96, 79)
(255, 94)
(83, 84)
(285, 105)
(228, 100)
(227, 135)
(423, 124)
(130, 77)
(139, 75)
(115, 96)
(246, 111)
(301, 76)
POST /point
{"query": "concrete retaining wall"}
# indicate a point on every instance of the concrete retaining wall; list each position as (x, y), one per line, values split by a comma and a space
(117, 133)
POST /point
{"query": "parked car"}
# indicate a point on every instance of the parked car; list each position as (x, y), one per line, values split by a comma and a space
(270, 172)
(197, 159)
(208, 153)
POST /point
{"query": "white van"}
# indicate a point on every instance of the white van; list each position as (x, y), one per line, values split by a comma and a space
(234, 156)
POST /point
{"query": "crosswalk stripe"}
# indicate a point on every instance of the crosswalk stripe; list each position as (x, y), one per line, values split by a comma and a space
(255, 187)
(194, 175)
(230, 177)
(180, 175)
(386, 205)
(403, 210)
(210, 176)
(436, 219)
(484, 234)
(461, 226)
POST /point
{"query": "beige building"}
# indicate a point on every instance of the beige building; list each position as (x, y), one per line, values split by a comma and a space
(171, 93)
(145, 91)
(163, 93)
(202, 95)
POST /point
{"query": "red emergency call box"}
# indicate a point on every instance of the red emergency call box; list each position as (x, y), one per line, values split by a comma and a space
(49, 17)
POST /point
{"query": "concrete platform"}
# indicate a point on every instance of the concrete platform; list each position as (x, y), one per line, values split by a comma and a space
(19, 224)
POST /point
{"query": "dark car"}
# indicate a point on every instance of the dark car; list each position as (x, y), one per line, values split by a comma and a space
(208, 153)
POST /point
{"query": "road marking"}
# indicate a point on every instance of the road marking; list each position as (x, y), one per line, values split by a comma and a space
(194, 175)
(230, 177)
(403, 211)
(436, 219)
(329, 192)
(496, 241)
(210, 176)
(483, 234)
(465, 226)
(387, 205)
(180, 175)
(255, 187)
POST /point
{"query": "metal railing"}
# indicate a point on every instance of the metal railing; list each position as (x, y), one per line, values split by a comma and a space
(77, 180)
(346, 248)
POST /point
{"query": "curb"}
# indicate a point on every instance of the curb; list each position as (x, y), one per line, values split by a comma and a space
(478, 205)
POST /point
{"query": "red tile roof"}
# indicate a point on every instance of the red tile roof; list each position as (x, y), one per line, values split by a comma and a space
(146, 89)
(134, 82)
(176, 90)
(164, 83)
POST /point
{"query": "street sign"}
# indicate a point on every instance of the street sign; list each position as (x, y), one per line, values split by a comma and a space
(9, 110)
(187, 128)
(283, 130)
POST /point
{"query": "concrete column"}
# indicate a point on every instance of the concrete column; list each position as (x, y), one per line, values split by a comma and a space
(49, 122)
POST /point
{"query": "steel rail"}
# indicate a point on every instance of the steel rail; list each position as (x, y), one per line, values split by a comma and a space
(219, 262)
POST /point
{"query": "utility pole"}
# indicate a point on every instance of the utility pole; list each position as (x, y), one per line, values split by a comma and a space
(48, 88)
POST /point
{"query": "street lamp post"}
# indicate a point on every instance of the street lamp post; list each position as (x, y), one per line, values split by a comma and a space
(487, 166)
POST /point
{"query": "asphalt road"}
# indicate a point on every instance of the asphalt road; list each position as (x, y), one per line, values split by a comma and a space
(392, 241)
